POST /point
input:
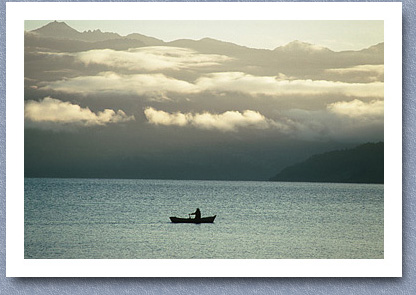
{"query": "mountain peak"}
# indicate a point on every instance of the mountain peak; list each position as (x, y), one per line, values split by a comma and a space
(61, 30)
(56, 24)
(57, 30)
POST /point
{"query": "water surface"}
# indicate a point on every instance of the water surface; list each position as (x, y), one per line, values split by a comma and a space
(102, 218)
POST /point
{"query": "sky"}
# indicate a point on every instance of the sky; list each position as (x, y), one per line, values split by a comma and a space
(186, 109)
(335, 35)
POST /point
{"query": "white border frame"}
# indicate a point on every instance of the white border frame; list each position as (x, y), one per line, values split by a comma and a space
(17, 266)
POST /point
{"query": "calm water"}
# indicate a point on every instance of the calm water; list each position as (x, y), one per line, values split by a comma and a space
(100, 218)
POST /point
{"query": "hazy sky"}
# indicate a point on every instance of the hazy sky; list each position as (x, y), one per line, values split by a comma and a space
(336, 35)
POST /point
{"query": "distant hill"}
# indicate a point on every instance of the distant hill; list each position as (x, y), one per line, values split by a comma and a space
(362, 164)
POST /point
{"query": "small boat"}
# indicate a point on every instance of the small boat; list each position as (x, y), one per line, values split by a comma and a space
(193, 220)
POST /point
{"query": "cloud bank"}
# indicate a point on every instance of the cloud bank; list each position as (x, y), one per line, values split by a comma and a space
(370, 73)
(51, 110)
(151, 58)
(358, 109)
(276, 86)
(153, 85)
(227, 121)
(298, 123)
(158, 85)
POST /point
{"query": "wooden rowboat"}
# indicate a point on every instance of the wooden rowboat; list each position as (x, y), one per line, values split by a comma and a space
(193, 220)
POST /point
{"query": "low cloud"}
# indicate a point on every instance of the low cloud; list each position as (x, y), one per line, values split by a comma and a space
(54, 111)
(150, 58)
(358, 109)
(337, 123)
(370, 73)
(158, 85)
(275, 86)
(156, 117)
(153, 85)
(379, 69)
(295, 123)
(227, 121)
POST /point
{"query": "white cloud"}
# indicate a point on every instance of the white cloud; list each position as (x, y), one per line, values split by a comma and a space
(379, 69)
(156, 117)
(158, 85)
(150, 58)
(275, 86)
(230, 120)
(358, 109)
(109, 82)
(227, 121)
(363, 72)
(50, 110)
(336, 123)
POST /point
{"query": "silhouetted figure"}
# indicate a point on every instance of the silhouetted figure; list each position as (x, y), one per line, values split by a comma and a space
(197, 214)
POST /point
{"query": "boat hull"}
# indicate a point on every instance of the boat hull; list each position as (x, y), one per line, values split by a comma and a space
(193, 220)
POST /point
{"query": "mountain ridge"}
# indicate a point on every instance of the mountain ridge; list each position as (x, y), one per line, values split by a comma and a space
(362, 164)
(61, 30)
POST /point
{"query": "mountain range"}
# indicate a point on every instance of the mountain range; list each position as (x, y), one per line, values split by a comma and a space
(295, 59)
(97, 39)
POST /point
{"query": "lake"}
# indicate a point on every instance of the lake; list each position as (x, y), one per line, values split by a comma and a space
(129, 219)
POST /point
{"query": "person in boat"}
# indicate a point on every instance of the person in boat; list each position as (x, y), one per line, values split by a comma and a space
(197, 214)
